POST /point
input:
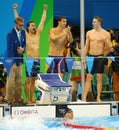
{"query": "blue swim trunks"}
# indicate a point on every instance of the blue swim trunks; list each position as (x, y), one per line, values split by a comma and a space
(57, 65)
(34, 70)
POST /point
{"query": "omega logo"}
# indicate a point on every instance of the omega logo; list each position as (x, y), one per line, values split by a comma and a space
(23, 112)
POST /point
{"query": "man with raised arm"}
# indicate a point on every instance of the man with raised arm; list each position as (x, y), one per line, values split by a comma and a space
(32, 50)
(96, 40)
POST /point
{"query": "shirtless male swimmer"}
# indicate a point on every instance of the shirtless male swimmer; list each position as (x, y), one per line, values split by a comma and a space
(97, 40)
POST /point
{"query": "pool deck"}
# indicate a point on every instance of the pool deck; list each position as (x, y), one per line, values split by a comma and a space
(107, 108)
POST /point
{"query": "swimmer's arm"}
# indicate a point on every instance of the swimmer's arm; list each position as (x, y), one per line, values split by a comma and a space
(41, 24)
(68, 52)
(86, 48)
(87, 45)
(69, 34)
(107, 42)
(56, 37)
(15, 6)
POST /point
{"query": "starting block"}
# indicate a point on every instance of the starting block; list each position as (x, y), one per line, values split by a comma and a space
(51, 89)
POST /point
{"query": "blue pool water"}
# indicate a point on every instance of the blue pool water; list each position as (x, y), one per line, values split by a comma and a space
(36, 123)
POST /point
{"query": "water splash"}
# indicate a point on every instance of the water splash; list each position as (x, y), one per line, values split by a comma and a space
(37, 123)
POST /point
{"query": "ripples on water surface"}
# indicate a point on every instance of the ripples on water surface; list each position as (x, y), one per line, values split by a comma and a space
(37, 123)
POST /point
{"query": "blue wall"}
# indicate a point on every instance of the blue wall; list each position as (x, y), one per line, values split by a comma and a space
(107, 9)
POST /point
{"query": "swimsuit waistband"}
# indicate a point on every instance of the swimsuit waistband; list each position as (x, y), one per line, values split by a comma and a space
(96, 55)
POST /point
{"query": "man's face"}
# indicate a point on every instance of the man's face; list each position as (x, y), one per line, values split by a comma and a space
(63, 23)
(32, 28)
(19, 25)
(95, 23)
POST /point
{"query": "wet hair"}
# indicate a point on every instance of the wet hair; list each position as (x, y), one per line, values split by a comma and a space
(28, 24)
(66, 111)
(98, 18)
(19, 19)
(61, 17)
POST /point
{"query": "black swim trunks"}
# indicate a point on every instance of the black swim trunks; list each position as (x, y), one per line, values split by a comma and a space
(98, 64)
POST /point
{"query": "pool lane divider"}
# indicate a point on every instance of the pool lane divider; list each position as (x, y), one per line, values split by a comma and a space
(77, 126)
